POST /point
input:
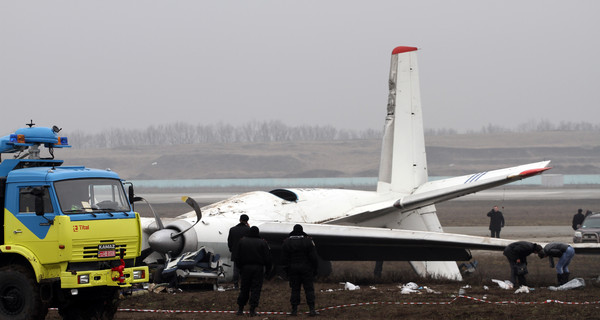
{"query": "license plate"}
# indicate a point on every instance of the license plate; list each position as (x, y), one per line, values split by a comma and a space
(106, 250)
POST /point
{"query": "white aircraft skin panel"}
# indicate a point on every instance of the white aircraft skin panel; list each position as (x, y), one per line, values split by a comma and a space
(437, 269)
(323, 205)
(408, 167)
(424, 219)
(313, 205)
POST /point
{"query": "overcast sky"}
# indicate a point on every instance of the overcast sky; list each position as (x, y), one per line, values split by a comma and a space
(94, 65)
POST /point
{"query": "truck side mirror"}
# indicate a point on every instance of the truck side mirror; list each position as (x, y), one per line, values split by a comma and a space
(38, 193)
(131, 193)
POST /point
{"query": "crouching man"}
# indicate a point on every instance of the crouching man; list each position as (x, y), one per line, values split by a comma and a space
(564, 253)
(517, 253)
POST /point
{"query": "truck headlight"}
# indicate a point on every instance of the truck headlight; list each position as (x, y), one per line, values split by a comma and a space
(138, 274)
(83, 279)
(578, 234)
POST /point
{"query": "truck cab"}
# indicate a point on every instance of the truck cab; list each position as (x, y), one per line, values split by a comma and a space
(70, 233)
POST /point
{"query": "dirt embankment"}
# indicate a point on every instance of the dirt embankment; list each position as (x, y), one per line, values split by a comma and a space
(570, 152)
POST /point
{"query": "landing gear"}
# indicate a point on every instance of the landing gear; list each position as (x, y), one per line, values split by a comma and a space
(378, 269)
(325, 268)
(20, 294)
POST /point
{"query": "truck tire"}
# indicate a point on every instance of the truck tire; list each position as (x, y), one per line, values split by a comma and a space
(20, 294)
(101, 305)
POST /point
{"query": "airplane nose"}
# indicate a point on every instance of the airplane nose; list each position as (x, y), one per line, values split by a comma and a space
(162, 241)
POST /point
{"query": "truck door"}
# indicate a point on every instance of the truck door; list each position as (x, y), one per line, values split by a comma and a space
(23, 227)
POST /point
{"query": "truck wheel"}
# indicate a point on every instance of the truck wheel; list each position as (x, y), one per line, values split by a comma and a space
(102, 305)
(19, 294)
(105, 307)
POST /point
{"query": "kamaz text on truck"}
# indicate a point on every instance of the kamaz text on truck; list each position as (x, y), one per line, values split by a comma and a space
(70, 237)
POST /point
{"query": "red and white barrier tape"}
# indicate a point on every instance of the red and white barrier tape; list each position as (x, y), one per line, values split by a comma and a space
(373, 303)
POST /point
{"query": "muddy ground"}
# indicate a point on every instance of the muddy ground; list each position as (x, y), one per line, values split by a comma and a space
(382, 298)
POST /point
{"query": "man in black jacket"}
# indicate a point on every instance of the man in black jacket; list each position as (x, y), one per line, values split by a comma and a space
(254, 259)
(578, 219)
(517, 253)
(565, 253)
(300, 262)
(235, 234)
(496, 222)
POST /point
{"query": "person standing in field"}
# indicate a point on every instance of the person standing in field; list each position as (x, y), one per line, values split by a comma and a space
(300, 263)
(496, 222)
(578, 219)
(235, 234)
(254, 260)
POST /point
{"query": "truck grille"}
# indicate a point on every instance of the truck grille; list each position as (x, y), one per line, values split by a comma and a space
(89, 250)
(589, 237)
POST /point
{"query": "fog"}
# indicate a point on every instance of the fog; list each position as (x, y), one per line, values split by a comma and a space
(101, 65)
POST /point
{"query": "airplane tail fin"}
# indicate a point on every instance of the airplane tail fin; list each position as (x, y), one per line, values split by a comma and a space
(403, 164)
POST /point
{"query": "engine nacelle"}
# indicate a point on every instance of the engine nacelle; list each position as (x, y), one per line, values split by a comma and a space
(162, 240)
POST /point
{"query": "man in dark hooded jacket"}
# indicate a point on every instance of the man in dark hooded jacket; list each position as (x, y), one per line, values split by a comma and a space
(254, 260)
(517, 253)
(235, 234)
(300, 262)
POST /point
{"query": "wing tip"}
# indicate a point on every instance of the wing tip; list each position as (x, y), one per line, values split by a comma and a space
(533, 172)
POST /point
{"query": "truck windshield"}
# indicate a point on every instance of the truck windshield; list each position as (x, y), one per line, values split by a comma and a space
(91, 196)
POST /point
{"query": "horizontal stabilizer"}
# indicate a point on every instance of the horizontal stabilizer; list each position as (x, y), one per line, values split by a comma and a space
(441, 190)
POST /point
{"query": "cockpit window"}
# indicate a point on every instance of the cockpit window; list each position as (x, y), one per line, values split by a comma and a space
(91, 196)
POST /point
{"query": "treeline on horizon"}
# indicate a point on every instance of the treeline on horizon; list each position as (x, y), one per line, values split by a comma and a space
(271, 131)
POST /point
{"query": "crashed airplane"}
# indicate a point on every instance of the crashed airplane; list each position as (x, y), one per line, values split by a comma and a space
(397, 222)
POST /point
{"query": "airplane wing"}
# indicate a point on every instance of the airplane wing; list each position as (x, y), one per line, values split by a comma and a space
(351, 243)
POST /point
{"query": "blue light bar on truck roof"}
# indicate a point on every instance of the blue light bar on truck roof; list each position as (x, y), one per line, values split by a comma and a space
(27, 137)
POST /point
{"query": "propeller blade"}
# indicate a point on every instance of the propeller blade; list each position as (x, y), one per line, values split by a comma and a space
(192, 203)
(156, 217)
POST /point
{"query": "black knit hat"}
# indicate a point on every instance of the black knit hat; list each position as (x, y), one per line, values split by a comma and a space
(253, 232)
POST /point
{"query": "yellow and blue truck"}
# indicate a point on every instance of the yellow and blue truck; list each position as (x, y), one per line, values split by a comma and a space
(70, 238)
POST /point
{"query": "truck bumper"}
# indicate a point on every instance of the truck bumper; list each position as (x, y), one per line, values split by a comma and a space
(105, 277)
